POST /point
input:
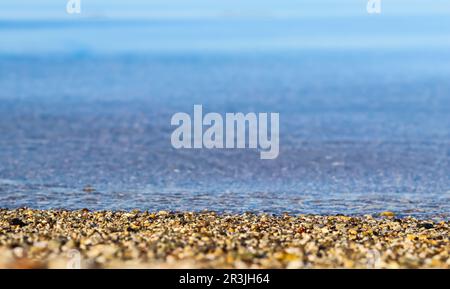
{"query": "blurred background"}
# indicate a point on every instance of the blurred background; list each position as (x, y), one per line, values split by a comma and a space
(364, 99)
(139, 26)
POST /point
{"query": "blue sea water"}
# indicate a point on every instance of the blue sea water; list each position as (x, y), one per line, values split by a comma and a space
(364, 103)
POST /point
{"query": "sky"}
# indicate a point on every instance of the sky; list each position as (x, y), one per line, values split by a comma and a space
(170, 9)
(180, 26)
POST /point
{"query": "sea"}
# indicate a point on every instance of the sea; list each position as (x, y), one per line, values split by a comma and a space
(364, 102)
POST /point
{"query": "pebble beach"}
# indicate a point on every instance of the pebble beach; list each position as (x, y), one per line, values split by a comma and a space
(137, 239)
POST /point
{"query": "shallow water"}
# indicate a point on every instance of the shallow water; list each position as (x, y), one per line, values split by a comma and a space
(364, 107)
(355, 138)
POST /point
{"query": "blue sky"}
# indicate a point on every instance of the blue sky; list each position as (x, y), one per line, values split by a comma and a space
(47, 9)
(139, 26)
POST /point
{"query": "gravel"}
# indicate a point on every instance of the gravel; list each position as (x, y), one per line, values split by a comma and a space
(135, 239)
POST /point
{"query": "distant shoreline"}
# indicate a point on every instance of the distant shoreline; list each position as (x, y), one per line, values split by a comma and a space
(105, 239)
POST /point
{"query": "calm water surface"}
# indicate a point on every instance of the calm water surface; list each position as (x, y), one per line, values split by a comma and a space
(365, 124)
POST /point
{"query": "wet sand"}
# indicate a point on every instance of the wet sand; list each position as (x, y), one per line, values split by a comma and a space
(106, 239)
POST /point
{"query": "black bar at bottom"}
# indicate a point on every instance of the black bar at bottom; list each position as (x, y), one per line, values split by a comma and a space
(235, 278)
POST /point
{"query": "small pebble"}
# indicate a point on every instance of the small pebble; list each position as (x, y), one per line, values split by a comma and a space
(107, 239)
(387, 214)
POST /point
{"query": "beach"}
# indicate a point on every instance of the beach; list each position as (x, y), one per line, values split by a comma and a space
(171, 134)
(141, 239)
